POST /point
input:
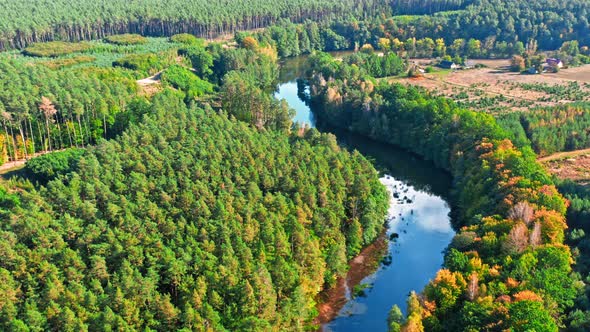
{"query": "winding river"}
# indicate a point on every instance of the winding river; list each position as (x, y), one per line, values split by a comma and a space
(418, 214)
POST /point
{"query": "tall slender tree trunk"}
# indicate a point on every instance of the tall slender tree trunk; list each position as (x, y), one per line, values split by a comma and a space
(81, 130)
(11, 138)
(74, 130)
(69, 133)
(48, 133)
(22, 137)
(61, 143)
(14, 149)
(88, 134)
(104, 123)
(44, 141)
(32, 136)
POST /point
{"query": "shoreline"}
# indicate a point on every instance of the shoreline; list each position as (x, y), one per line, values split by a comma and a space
(367, 262)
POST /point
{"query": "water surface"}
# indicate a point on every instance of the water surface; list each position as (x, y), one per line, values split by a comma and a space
(418, 213)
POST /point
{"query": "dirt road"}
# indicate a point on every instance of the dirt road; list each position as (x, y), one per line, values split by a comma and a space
(564, 155)
(18, 164)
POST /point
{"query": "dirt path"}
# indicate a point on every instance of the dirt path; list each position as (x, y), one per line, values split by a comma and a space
(12, 166)
(154, 79)
(15, 165)
(563, 155)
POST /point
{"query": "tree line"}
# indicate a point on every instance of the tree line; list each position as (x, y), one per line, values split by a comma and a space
(25, 22)
(291, 39)
(507, 267)
(44, 109)
(550, 23)
(499, 26)
(517, 27)
(47, 108)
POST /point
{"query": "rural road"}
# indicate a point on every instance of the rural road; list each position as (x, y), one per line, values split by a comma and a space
(13, 165)
(154, 79)
(562, 155)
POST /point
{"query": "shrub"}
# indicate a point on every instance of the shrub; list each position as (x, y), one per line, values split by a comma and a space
(187, 81)
(48, 166)
(126, 39)
(186, 38)
(68, 62)
(140, 62)
(55, 49)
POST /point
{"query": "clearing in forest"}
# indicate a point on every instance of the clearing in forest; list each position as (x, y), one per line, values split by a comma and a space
(494, 89)
(572, 165)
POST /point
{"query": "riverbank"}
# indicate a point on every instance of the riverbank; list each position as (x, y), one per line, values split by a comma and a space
(417, 212)
(507, 204)
(332, 300)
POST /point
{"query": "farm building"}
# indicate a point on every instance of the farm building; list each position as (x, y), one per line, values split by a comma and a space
(448, 65)
(555, 63)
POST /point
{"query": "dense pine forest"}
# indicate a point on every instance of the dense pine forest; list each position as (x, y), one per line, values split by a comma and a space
(550, 130)
(36, 21)
(549, 22)
(175, 192)
(184, 218)
(188, 220)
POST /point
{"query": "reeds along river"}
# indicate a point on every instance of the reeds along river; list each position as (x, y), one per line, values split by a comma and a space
(418, 233)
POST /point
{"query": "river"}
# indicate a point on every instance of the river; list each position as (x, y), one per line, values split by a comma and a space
(418, 213)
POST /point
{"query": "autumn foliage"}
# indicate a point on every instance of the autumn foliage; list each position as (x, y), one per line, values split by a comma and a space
(508, 256)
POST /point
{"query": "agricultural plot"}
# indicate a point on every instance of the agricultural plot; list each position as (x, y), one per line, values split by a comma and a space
(494, 89)
(575, 168)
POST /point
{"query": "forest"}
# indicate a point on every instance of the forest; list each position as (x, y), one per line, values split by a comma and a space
(25, 22)
(578, 239)
(406, 38)
(30, 98)
(180, 223)
(507, 267)
(249, 221)
(78, 99)
(516, 23)
(196, 204)
(552, 129)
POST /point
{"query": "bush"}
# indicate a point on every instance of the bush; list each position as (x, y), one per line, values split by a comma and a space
(187, 81)
(68, 62)
(48, 166)
(126, 39)
(139, 62)
(55, 49)
(186, 38)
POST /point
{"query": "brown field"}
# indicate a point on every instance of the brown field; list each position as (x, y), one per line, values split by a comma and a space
(572, 165)
(494, 89)
(581, 74)
(575, 169)
(492, 63)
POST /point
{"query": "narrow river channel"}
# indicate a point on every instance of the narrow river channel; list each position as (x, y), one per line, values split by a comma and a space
(418, 215)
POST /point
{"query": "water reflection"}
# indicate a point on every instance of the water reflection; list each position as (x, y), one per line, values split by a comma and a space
(428, 211)
(290, 92)
(424, 230)
(418, 212)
